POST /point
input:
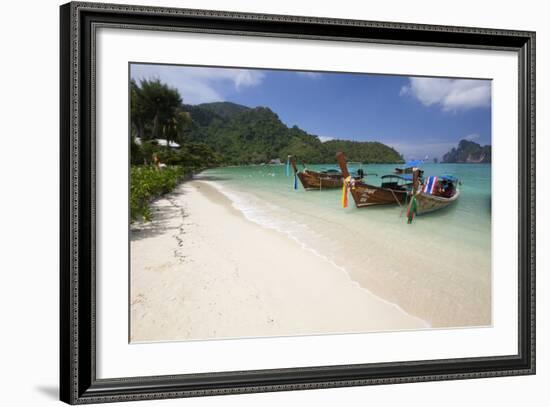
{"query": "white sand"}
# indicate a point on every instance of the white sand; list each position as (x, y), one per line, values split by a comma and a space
(201, 270)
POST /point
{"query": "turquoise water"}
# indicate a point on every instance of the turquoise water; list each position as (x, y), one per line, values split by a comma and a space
(438, 268)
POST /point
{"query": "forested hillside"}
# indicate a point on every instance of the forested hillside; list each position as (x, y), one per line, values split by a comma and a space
(224, 133)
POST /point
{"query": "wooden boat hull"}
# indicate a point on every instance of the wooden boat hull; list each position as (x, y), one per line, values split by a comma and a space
(369, 195)
(428, 203)
(315, 180)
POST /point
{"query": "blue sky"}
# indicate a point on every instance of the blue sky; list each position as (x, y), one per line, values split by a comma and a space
(417, 116)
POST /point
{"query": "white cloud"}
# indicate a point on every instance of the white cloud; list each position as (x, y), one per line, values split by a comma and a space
(197, 84)
(450, 94)
(244, 77)
(405, 90)
(311, 75)
(324, 139)
(471, 137)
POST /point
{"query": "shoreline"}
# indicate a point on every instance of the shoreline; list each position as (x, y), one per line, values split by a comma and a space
(439, 269)
(308, 248)
(333, 164)
(202, 270)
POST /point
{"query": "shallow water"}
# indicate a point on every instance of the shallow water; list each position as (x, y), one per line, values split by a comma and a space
(438, 268)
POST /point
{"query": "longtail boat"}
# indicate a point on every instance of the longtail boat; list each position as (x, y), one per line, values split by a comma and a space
(319, 180)
(393, 190)
(433, 194)
(409, 167)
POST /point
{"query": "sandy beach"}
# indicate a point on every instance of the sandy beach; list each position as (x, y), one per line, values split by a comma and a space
(201, 270)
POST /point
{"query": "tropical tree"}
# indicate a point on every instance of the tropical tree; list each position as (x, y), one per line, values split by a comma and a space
(174, 128)
(138, 113)
(153, 106)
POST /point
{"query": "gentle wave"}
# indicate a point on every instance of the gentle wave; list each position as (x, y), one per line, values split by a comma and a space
(251, 208)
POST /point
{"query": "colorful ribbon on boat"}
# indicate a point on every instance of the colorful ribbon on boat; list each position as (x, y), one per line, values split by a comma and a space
(345, 188)
(411, 210)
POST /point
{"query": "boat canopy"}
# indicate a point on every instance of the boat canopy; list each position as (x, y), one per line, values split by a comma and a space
(448, 177)
(330, 170)
(414, 163)
(404, 177)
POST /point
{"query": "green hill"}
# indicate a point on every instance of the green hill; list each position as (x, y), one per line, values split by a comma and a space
(364, 151)
(224, 109)
(245, 135)
(225, 133)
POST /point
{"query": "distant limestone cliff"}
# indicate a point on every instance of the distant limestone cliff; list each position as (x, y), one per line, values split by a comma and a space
(468, 152)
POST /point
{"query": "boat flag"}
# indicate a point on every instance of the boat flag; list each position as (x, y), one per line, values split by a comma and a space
(345, 186)
(431, 183)
(288, 166)
(295, 181)
(411, 210)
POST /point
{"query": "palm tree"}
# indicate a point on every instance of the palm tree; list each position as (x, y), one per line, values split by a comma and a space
(138, 117)
(153, 106)
(175, 126)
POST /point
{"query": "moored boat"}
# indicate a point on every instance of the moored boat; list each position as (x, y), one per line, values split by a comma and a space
(319, 180)
(434, 193)
(393, 190)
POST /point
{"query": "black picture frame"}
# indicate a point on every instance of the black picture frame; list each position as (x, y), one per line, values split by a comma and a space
(78, 382)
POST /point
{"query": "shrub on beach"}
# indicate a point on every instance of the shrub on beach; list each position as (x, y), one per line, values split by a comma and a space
(148, 183)
(195, 155)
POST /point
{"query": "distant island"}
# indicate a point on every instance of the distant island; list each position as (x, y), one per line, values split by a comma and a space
(468, 152)
(226, 133)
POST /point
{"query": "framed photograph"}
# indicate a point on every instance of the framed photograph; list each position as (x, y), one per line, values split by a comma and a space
(255, 203)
